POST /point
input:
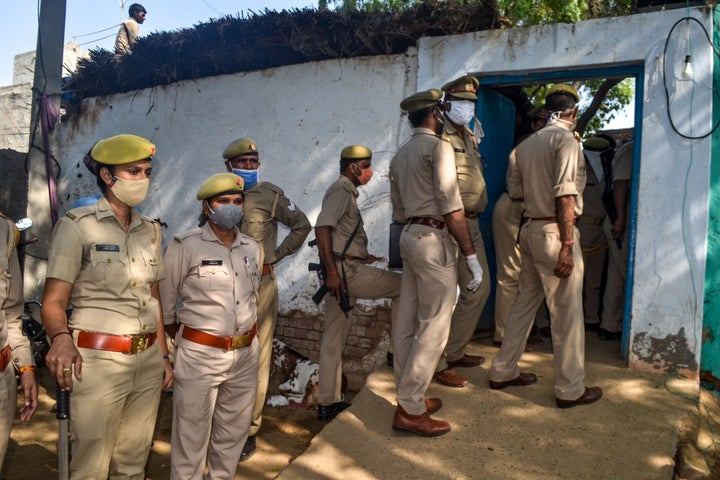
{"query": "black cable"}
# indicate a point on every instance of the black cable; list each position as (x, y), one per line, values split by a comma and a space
(667, 93)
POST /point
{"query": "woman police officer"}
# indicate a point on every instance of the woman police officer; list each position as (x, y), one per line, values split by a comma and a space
(210, 289)
(107, 257)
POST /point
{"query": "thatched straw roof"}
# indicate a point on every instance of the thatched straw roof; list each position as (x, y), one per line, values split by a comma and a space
(271, 39)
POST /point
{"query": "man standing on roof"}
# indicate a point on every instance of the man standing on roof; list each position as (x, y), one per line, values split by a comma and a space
(548, 170)
(129, 30)
(265, 206)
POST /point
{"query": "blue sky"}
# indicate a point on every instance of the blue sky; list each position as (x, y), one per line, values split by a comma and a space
(83, 17)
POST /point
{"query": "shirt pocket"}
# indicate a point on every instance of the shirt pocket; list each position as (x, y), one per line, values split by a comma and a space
(109, 268)
(214, 276)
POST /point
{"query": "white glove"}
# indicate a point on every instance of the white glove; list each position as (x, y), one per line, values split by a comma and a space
(476, 270)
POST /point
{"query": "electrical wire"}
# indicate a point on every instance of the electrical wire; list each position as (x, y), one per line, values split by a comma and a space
(665, 83)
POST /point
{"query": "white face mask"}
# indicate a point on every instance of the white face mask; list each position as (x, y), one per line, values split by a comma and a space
(130, 192)
(461, 112)
(555, 117)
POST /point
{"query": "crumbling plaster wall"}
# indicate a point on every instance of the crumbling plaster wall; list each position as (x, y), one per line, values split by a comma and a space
(672, 193)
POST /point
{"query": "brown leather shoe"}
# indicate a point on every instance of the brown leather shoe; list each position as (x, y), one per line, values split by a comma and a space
(467, 361)
(432, 405)
(422, 425)
(450, 378)
(521, 381)
(591, 395)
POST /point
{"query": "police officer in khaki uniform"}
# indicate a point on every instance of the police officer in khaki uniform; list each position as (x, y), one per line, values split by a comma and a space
(425, 195)
(459, 105)
(212, 275)
(15, 355)
(617, 233)
(589, 224)
(265, 206)
(343, 247)
(108, 258)
(549, 169)
(506, 219)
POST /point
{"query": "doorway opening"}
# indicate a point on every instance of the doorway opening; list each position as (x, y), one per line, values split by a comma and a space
(506, 106)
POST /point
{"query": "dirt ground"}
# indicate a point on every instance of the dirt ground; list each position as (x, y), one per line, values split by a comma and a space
(285, 433)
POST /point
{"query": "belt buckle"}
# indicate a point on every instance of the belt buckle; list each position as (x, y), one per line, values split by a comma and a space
(238, 341)
(138, 344)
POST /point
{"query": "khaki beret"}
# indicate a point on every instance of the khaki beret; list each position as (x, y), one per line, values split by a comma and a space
(355, 152)
(122, 149)
(241, 146)
(219, 184)
(421, 100)
(565, 89)
(463, 87)
(597, 144)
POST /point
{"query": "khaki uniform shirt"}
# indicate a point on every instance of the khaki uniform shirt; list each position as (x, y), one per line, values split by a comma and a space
(548, 164)
(209, 286)
(265, 204)
(111, 270)
(622, 163)
(468, 165)
(423, 179)
(127, 36)
(592, 195)
(11, 297)
(340, 212)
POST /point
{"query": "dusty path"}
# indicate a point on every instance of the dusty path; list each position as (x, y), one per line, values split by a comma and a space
(286, 432)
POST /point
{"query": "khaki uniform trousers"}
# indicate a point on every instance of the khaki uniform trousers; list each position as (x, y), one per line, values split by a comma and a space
(113, 412)
(469, 305)
(363, 281)
(506, 219)
(540, 246)
(594, 248)
(267, 309)
(429, 284)
(213, 400)
(8, 403)
(614, 297)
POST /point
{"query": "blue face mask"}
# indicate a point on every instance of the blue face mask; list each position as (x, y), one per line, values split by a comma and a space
(250, 177)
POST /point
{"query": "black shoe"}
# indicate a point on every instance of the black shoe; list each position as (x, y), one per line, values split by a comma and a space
(594, 327)
(608, 335)
(328, 412)
(249, 449)
(389, 357)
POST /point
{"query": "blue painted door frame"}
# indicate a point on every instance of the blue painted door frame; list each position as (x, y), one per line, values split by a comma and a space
(497, 115)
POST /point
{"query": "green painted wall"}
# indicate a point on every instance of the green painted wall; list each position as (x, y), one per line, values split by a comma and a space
(711, 317)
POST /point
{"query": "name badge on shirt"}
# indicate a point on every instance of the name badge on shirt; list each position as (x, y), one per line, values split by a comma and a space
(212, 263)
(107, 248)
(459, 150)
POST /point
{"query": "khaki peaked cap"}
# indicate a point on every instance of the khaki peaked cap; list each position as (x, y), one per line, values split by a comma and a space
(421, 100)
(564, 89)
(355, 152)
(122, 149)
(220, 184)
(241, 146)
(596, 144)
(464, 87)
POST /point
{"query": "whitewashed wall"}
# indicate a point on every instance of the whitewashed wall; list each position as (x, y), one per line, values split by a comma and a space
(674, 172)
(301, 118)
